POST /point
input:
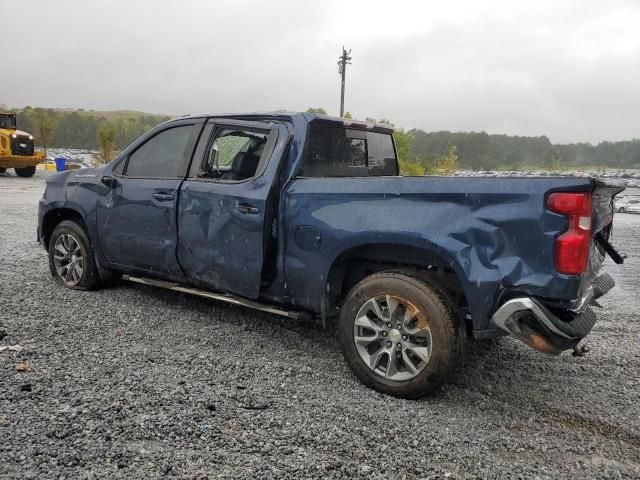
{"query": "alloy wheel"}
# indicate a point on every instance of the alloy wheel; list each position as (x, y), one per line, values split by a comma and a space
(392, 337)
(68, 259)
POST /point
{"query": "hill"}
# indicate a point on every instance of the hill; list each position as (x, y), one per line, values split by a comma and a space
(79, 128)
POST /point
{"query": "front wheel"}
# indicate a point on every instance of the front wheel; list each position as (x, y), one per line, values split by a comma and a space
(71, 257)
(399, 334)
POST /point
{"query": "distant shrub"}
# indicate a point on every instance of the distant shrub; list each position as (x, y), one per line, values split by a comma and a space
(410, 168)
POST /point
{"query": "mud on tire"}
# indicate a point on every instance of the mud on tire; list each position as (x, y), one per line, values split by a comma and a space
(378, 315)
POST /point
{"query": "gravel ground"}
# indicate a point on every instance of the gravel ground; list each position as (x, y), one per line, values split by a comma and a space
(133, 382)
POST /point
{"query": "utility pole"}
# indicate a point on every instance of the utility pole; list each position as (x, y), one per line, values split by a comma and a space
(343, 61)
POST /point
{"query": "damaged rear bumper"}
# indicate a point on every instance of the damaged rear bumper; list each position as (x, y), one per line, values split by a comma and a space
(531, 322)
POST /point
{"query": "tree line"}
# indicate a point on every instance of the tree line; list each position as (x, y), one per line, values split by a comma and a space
(104, 131)
(438, 152)
(419, 151)
(482, 151)
(435, 152)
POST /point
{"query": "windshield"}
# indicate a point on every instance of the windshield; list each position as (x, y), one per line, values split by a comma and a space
(8, 121)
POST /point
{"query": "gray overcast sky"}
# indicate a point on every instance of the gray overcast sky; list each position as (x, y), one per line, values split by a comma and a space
(567, 69)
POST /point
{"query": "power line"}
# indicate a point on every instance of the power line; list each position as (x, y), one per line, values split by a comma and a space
(343, 61)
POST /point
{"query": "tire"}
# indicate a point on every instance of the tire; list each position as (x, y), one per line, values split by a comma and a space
(26, 171)
(621, 210)
(69, 236)
(3, 170)
(424, 360)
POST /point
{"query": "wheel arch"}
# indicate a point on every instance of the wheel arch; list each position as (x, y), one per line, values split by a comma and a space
(358, 262)
(53, 217)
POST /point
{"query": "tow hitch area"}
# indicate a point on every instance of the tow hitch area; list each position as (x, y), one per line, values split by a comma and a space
(531, 323)
(581, 349)
(528, 320)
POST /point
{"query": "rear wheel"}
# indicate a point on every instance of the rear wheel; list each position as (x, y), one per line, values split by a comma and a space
(400, 335)
(26, 171)
(71, 257)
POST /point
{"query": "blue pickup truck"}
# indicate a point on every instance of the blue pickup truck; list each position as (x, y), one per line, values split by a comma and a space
(306, 216)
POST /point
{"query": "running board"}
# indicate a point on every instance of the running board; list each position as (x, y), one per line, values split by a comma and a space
(176, 287)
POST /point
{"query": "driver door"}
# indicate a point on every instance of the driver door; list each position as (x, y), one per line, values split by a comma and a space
(137, 219)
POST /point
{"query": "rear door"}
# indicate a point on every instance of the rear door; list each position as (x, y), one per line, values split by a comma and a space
(224, 211)
(137, 220)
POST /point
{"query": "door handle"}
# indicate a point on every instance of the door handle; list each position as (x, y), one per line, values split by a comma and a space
(247, 209)
(163, 197)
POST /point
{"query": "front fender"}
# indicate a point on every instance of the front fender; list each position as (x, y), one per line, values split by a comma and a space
(70, 194)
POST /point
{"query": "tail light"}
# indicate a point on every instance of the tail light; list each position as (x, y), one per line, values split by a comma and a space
(572, 247)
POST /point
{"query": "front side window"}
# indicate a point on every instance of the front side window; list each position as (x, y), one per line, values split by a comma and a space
(163, 155)
(234, 154)
(336, 151)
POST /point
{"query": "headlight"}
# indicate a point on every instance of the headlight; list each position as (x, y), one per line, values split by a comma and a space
(30, 137)
(14, 135)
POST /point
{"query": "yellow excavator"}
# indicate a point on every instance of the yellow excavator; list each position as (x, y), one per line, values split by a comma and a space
(16, 148)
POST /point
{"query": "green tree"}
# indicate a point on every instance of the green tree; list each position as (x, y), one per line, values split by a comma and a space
(448, 161)
(403, 143)
(69, 131)
(317, 110)
(552, 161)
(411, 168)
(45, 125)
(403, 140)
(107, 141)
(347, 115)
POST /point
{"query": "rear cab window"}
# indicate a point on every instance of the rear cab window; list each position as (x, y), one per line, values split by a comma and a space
(334, 150)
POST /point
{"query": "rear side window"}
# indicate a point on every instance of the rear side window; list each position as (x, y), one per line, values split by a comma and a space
(336, 151)
(163, 155)
(235, 153)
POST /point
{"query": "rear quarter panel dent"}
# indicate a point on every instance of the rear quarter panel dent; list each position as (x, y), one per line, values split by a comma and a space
(496, 234)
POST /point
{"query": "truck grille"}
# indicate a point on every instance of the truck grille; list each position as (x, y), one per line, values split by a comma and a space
(21, 145)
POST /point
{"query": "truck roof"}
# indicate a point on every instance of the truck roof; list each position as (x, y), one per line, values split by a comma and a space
(305, 117)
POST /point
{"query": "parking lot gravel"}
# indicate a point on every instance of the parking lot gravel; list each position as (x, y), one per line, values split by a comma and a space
(135, 382)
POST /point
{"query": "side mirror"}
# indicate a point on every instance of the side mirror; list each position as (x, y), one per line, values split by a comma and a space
(109, 181)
